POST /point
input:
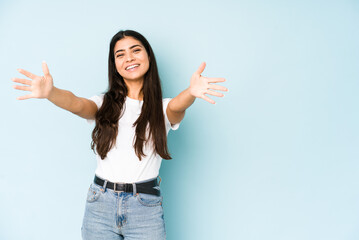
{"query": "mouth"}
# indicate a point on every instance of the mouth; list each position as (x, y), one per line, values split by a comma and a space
(132, 67)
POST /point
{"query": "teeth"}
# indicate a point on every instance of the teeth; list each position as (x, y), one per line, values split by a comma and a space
(132, 66)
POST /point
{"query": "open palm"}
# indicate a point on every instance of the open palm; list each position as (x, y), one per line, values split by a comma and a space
(200, 85)
(39, 86)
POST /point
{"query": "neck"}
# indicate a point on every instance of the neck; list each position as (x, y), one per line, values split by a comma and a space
(134, 88)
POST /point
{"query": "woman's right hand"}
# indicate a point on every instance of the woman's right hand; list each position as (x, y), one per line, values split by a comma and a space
(40, 86)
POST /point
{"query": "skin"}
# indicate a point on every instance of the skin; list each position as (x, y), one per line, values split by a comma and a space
(43, 87)
(129, 56)
(199, 85)
(39, 86)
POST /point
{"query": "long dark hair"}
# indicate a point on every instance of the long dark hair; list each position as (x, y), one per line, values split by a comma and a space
(107, 117)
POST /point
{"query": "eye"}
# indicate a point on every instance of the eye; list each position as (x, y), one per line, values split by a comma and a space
(119, 55)
(137, 50)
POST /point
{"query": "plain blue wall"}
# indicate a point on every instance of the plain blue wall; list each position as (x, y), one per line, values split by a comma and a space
(276, 158)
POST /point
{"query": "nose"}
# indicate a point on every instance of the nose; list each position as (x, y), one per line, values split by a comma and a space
(129, 57)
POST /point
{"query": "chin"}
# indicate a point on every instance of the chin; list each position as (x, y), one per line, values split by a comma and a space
(134, 77)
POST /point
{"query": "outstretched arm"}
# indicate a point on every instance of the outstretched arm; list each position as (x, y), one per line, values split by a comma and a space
(199, 86)
(43, 87)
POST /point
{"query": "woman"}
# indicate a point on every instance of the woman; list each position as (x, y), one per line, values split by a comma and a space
(129, 139)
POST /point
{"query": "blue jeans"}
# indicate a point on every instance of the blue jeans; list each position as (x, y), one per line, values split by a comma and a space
(122, 215)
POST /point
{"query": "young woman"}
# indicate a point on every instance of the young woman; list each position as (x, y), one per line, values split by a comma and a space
(129, 139)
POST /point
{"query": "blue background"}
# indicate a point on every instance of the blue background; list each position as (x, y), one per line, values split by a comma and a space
(276, 158)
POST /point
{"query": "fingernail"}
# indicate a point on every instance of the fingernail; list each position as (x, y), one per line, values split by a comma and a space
(19, 69)
(43, 61)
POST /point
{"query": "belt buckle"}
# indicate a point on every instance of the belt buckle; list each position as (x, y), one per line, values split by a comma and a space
(114, 188)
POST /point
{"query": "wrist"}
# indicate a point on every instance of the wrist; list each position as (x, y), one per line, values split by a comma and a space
(189, 92)
(52, 93)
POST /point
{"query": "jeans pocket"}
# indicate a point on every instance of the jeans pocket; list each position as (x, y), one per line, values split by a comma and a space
(93, 193)
(149, 200)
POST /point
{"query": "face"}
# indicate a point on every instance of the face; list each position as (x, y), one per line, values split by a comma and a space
(129, 51)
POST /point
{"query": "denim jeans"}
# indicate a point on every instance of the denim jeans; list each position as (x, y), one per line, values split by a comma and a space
(122, 215)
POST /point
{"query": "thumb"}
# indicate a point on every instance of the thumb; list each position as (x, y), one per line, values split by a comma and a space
(45, 68)
(201, 68)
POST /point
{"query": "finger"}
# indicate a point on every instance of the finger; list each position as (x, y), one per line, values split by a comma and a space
(27, 74)
(213, 80)
(214, 93)
(201, 68)
(217, 87)
(208, 99)
(45, 68)
(24, 88)
(24, 97)
(21, 80)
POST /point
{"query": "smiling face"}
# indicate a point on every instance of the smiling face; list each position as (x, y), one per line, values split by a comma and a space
(129, 51)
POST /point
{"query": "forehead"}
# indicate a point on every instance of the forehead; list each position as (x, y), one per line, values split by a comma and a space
(126, 43)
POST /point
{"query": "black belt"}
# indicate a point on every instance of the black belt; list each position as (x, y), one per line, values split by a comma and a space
(143, 187)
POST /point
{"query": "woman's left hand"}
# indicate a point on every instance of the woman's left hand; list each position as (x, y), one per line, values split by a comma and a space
(200, 85)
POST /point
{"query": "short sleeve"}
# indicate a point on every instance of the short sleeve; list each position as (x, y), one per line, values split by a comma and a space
(97, 99)
(167, 122)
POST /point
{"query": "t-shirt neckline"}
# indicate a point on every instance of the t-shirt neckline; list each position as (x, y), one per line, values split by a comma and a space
(133, 100)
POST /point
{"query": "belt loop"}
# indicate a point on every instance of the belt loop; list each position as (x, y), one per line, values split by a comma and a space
(104, 185)
(160, 180)
(134, 189)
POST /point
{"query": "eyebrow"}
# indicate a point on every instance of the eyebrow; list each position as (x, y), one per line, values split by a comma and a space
(130, 48)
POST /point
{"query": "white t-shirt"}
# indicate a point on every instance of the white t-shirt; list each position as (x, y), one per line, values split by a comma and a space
(121, 163)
